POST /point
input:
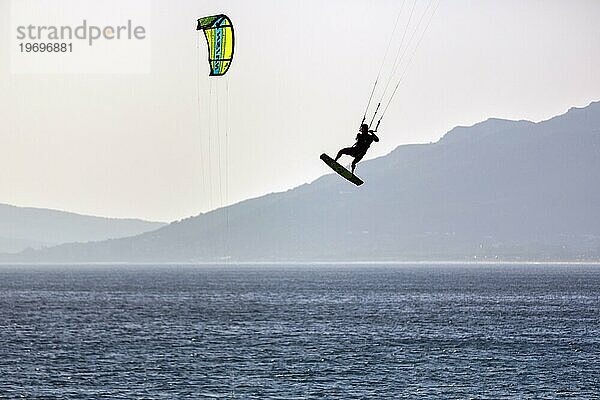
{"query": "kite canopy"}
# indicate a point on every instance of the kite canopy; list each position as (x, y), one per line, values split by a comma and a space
(218, 30)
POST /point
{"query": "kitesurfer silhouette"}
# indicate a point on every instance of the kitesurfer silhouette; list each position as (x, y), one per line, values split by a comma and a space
(363, 141)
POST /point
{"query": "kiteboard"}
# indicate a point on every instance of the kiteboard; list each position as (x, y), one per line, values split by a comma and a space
(341, 170)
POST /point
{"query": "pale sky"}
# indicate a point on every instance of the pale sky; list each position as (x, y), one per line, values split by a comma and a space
(141, 145)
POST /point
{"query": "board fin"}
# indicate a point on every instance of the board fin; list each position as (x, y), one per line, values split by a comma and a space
(334, 165)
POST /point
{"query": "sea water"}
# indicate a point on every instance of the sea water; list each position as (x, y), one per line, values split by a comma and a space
(296, 332)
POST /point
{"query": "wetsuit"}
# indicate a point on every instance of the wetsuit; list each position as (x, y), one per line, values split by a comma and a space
(359, 149)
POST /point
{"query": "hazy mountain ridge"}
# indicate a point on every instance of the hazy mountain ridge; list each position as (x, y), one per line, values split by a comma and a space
(22, 227)
(14, 245)
(499, 189)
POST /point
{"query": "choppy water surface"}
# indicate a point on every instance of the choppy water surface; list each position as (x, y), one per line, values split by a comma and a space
(174, 332)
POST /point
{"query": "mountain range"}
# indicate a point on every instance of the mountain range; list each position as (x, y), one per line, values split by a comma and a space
(35, 228)
(497, 190)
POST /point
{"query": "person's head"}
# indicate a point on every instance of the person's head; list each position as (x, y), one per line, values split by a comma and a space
(364, 128)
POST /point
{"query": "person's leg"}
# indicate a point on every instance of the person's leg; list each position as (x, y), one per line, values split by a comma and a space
(347, 150)
(356, 160)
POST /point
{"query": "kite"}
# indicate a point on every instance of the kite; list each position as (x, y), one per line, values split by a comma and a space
(218, 31)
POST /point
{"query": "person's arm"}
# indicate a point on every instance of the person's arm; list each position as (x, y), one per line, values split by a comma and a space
(375, 138)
